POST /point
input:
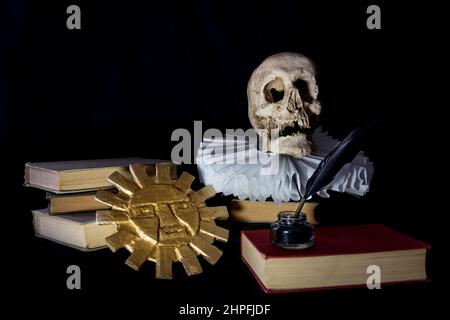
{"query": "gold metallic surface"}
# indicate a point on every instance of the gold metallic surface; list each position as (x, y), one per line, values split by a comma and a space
(111, 200)
(166, 255)
(206, 237)
(212, 213)
(141, 252)
(201, 195)
(111, 216)
(163, 173)
(119, 240)
(140, 175)
(211, 229)
(189, 260)
(209, 252)
(162, 220)
(184, 182)
(123, 184)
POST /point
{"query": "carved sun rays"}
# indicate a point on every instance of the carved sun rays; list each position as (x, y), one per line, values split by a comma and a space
(162, 220)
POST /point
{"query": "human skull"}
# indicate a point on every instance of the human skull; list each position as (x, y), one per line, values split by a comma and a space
(282, 103)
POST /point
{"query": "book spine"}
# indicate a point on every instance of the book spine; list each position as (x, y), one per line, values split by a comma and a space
(35, 224)
(27, 175)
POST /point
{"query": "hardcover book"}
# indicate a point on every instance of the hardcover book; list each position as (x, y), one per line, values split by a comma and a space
(267, 211)
(76, 230)
(81, 175)
(340, 258)
(74, 202)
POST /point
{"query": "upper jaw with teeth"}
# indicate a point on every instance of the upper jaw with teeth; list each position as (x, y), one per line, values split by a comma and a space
(292, 129)
(289, 138)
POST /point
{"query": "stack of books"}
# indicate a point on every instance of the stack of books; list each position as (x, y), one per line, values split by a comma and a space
(71, 186)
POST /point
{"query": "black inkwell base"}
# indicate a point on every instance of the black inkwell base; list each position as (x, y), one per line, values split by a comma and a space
(292, 231)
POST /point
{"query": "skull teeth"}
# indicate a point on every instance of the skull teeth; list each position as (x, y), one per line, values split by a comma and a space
(292, 129)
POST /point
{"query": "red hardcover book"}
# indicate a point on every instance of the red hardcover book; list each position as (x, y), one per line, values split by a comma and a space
(343, 256)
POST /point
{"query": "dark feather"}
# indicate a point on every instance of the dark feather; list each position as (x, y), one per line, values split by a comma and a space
(343, 153)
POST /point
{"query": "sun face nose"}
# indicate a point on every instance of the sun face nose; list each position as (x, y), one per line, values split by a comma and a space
(171, 231)
(167, 219)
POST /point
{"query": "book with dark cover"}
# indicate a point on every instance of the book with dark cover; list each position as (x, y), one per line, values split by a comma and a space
(340, 258)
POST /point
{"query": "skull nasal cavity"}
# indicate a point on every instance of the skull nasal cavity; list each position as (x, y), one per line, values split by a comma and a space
(274, 90)
(302, 87)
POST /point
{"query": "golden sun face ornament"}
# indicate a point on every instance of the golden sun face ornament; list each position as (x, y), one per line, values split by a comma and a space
(162, 220)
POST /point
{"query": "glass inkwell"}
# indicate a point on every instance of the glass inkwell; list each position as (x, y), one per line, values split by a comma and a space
(292, 231)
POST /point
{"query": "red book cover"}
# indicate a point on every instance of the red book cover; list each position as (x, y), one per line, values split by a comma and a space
(336, 240)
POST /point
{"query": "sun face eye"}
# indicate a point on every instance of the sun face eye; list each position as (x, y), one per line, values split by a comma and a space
(274, 90)
(143, 212)
(179, 206)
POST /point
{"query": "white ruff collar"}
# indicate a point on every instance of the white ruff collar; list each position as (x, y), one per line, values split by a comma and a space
(263, 175)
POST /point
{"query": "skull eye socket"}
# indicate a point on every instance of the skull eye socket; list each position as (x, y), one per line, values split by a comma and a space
(274, 90)
(302, 87)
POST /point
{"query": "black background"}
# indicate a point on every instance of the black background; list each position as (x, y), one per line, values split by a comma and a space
(135, 72)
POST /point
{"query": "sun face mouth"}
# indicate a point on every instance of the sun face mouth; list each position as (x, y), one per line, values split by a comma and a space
(293, 129)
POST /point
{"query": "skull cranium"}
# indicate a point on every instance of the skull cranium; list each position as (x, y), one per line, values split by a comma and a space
(282, 103)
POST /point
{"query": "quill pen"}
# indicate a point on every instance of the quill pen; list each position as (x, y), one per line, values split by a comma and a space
(343, 153)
